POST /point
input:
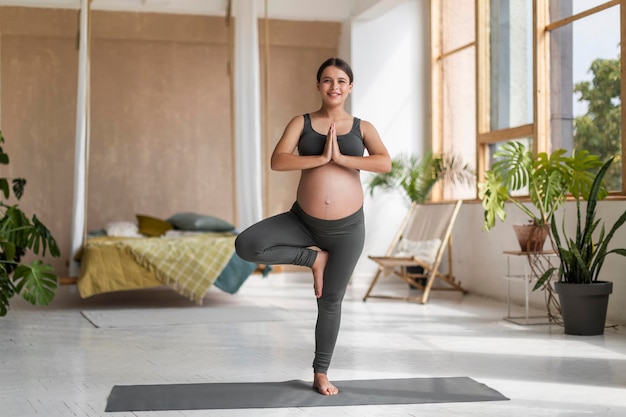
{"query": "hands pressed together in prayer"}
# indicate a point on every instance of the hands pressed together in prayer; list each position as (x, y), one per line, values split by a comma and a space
(331, 150)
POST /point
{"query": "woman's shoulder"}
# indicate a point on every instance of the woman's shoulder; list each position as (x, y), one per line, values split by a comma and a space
(368, 130)
(366, 124)
(298, 120)
(295, 126)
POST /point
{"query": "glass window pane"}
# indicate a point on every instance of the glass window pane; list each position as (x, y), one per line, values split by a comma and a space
(458, 24)
(560, 9)
(511, 63)
(459, 108)
(585, 84)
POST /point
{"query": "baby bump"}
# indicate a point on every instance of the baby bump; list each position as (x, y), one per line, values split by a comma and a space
(330, 192)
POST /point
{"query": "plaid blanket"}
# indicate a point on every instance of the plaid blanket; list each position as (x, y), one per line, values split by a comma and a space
(189, 265)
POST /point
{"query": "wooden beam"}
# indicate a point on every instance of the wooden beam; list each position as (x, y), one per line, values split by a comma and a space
(541, 77)
(498, 136)
(436, 86)
(483, 87)
(569, 19)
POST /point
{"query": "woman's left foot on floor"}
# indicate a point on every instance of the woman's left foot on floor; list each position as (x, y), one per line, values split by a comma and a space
(323, 385)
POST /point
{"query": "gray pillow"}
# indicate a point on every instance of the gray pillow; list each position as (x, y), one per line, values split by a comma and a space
(201, 222)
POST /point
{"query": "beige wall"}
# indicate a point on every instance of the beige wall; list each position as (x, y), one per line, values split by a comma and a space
(160, 112)
(297, 50)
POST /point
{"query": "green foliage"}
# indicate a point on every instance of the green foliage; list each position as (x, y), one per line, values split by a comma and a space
(417, 176)
(581, 257)
(36, 282)
(547, 178)
(600, 130)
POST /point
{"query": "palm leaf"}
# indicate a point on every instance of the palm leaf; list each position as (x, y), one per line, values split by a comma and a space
(417, 176)
(513, 164)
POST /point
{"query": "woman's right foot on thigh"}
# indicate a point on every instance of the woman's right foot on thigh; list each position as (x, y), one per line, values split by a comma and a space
(318, 272)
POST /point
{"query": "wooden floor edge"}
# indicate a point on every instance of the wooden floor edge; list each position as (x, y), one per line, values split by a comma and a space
(258, 270)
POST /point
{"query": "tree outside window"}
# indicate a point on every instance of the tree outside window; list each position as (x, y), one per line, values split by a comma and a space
(599, 130)
(585, 84)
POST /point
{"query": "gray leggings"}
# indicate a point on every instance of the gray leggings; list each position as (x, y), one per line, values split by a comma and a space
(286, 239)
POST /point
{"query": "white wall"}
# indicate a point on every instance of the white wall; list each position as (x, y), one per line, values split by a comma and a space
(390, 91)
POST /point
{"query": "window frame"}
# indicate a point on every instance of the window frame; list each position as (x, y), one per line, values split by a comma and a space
(438, 55)
(539, 128)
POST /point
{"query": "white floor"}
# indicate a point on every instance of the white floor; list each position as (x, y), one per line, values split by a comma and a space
(54, 362)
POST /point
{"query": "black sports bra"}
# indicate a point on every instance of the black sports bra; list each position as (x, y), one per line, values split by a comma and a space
(312, 142)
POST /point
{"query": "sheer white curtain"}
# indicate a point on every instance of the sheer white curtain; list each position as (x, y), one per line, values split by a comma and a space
(82, 138)
(247, 123)
(247, 114)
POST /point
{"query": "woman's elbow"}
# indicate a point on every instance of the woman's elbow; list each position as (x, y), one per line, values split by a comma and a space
(385, 165)
(276, 164)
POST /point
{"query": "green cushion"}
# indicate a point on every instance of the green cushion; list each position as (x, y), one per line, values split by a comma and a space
(151, 226)
(200, 222)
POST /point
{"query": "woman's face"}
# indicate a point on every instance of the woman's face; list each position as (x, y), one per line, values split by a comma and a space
(334, 85)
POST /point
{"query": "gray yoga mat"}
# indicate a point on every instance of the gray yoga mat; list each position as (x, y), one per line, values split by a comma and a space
(297, 394)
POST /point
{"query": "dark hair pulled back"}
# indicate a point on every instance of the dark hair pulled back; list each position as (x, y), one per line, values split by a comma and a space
(335, 62)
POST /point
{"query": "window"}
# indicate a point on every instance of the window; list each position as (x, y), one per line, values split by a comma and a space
(454, 87)
(510, 72)
(547, 72)
(585, 108)
(506, 62)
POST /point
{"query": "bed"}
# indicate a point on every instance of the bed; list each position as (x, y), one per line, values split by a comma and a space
(189, 253)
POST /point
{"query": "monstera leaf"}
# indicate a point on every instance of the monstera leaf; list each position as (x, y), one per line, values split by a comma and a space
(19, 235)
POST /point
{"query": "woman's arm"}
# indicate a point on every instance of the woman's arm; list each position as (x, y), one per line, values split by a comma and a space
(377, 160)
(284, 157)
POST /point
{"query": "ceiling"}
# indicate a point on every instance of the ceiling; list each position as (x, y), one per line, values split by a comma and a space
(319, 10)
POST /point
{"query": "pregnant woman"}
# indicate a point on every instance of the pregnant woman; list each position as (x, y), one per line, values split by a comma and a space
(324, 230)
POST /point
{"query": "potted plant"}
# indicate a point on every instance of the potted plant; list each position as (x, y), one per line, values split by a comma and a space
(546, 179)
(583, 297)
(417, 176)
(35, 282)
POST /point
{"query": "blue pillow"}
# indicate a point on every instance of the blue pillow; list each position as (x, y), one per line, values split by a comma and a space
(199, 222)
(234, 274)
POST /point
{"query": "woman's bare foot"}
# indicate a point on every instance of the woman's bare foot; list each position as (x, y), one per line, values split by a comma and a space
(318, 272)
(323, 385)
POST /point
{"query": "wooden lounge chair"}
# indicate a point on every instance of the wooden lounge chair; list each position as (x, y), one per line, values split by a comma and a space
(417, 250)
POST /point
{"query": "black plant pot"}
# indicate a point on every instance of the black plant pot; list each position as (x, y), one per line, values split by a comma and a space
(584, 306)
(416, 270)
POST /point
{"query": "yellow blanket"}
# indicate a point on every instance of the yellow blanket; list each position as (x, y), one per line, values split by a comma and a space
(190, 264)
